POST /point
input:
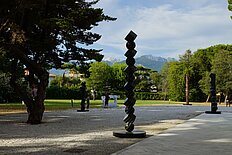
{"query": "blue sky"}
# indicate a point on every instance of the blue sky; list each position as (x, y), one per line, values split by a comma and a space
(165, 28)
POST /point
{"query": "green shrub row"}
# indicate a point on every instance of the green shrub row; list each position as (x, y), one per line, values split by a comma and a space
(73, 92)
(56, 92)
(149, 96)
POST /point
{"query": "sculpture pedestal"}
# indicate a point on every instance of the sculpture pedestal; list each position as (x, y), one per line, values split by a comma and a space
(133, 134)
(212, 112)
(82, 110)
(187, 104)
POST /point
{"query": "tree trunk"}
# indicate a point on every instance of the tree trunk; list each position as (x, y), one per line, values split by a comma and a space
(207, 100)
(35, 112)
(226, 100)
(35, 104)
(187, 89)
(36, 108)
(37, 75)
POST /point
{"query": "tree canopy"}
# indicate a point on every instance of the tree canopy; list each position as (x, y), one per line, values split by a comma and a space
(42, 34)
(215, 59)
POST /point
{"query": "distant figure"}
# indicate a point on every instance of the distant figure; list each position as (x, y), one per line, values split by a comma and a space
(93, 94)
(83, 95)
(87, 101)
(107, 97)
(227, 103)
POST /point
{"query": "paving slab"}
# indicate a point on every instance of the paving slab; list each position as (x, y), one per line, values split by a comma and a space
(204, 134)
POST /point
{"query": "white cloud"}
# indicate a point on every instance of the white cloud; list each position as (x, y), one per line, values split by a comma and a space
(167, 28)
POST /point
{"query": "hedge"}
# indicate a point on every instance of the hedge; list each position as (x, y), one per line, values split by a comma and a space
(55, 92)
(74, 93)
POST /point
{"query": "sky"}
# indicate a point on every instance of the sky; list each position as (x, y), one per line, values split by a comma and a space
(165, 28)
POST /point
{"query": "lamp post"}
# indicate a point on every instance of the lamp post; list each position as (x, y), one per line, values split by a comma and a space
(129, 89)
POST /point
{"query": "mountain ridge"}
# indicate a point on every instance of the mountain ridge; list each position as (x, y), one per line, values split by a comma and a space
(148, 61)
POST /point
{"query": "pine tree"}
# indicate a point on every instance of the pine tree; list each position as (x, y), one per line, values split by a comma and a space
(43, 34)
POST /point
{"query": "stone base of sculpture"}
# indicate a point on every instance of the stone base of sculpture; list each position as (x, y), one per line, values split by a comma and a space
(187, 104)
(213, 112)
(133, 134)
(82, 110)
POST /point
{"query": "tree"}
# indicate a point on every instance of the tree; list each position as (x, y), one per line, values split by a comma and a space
(101, 76)
(205, 84)
(230, 6)
(186, 60)
(143, 80)
(42, 34)
(164, 76)
(176, 81)
(60, 81)
(205, 63)
(7, 94)
(222, 67)
(156, 80)
(118, 76)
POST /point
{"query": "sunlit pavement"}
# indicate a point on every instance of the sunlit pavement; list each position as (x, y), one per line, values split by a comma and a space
(205, 134)
(87, 133)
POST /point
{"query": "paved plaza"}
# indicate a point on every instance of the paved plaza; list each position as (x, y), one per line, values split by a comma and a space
(86, 133)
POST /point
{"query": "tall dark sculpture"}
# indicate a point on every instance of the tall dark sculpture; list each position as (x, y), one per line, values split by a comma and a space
(129, 89)
(83, 93)
(213, 98)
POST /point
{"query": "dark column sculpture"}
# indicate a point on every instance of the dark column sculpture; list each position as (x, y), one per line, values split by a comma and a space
(213, 99)
(129, 89)
(83, 93)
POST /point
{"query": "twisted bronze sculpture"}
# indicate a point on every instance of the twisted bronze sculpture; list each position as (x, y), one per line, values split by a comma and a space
(129, 86)
(129, 90)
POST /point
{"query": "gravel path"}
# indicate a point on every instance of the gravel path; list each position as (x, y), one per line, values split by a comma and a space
(85, 133)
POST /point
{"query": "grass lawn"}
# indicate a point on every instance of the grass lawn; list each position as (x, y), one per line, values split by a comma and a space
(52, 105)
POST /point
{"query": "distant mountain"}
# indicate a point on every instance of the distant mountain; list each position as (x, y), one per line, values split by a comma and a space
(155, 63)
(149, 61)
(111, 61)
(56, 71)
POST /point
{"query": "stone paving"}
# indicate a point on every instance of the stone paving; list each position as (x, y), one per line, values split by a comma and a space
(205, 134)
(86, 133)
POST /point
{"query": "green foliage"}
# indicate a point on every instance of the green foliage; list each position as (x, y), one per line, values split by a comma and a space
(60, 81)
(48, 33)
(198, 66)
(143, 80)
(119, 77)
(214, 59)
(187, 62)
(101, 75)
(149, 96)
(71, 92)
(144, 85)
(44, 34)
(164, 76)
(176, 81)
(156, 80)
(7, 93)
(205, 84)
(222, 67)
(230, 5)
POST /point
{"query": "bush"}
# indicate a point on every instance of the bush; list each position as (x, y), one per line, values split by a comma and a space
(139, 95)
(149, 96)
(55, 92)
